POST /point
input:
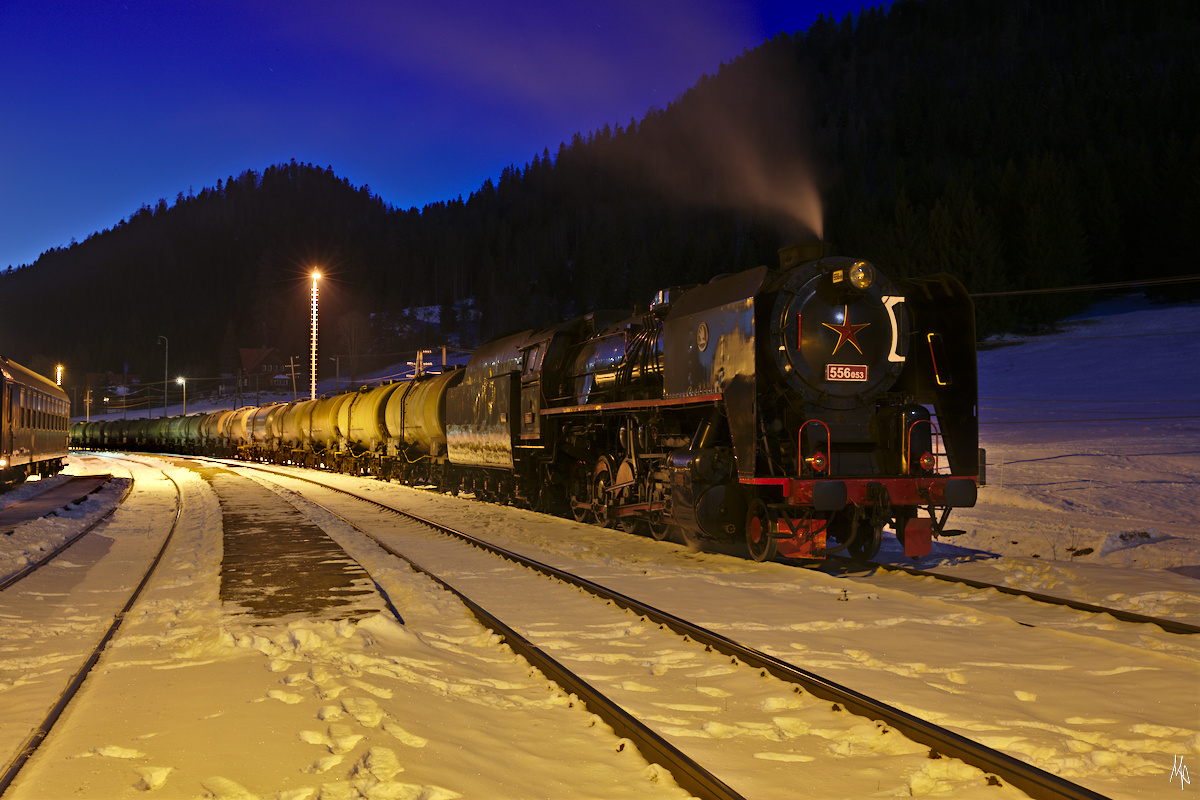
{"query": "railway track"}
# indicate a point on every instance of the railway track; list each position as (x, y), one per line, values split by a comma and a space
(210, 714)
(1168, 625)
(689, 774)
(88, 657)
(1000, 767)
(73, 492)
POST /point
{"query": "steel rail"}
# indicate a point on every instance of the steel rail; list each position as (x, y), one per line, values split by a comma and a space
(25, 571)
(1168, 625)
(689, 774)
(1035, 782)
(39, 734)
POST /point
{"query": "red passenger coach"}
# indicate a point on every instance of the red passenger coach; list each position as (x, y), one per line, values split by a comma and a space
(34, 418)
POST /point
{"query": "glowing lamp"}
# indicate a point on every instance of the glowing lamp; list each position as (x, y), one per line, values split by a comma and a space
(861, 275)
(313, 366)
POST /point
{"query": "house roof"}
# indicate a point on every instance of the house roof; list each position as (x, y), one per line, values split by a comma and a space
(254, 358)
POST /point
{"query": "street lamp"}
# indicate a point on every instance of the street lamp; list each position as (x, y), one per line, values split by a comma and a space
(313, 367)
(58, 370)
(166, 351)
(183, 383)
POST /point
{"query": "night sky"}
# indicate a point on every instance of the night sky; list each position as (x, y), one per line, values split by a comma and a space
(107, 106)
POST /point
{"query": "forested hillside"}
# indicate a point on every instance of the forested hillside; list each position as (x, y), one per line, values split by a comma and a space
(1019, 144)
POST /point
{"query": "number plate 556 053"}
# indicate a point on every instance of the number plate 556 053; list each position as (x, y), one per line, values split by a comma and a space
(845, 372)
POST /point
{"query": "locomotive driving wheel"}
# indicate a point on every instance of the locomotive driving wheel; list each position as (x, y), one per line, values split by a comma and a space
(602, 479)
(762, 546)
(626, 478)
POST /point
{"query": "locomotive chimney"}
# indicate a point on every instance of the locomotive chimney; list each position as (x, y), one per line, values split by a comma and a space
(800, 252)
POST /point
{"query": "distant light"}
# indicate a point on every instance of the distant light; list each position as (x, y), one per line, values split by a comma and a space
(313, 365)
(58, 372)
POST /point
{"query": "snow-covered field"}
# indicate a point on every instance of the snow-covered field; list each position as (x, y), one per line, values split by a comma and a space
(1093, 439)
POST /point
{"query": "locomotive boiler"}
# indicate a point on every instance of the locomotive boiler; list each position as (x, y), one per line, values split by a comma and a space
(797, 410)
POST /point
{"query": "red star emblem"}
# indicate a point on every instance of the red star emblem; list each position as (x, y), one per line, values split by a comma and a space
(846, 332)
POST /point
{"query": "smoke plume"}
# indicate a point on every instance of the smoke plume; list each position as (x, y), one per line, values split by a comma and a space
(740, 141)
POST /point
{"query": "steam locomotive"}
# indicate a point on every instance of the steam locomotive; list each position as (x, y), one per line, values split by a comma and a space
(799, 410)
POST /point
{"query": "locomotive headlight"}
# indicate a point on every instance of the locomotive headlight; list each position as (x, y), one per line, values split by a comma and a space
(861, 275)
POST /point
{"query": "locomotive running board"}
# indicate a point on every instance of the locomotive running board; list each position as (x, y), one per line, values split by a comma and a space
(633, 405)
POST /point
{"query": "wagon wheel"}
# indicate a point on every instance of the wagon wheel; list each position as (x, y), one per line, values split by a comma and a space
(762, 546)
(662, 531)
(602, 478)
(868, 536)
(579, 496)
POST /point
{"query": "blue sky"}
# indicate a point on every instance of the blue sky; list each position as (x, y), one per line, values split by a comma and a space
(106, 106)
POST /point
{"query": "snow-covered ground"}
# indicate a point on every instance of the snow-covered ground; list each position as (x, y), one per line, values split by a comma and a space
(1093, 439)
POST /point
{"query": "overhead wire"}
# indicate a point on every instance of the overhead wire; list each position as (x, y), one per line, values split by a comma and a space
(1140, 402)
(1094, 286)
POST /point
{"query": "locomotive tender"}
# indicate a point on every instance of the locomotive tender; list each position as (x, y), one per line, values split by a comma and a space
(799, 410)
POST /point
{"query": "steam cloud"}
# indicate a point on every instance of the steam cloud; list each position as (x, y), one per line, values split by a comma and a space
(739, 141)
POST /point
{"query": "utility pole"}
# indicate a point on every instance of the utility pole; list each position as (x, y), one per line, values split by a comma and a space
(166, 351)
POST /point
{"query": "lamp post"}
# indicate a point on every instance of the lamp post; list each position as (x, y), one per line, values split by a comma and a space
(58, 371)
(313, 367)
(166, 352)
(183, 383)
